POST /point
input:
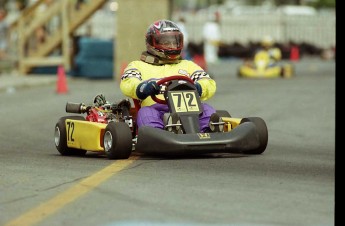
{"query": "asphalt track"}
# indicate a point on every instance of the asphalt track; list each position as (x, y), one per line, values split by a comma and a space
(291, 183)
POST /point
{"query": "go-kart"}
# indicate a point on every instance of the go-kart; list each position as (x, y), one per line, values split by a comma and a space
(107, 128)
(262, 67)
(111, 128)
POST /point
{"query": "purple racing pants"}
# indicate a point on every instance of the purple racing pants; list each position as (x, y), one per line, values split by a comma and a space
(153, 116)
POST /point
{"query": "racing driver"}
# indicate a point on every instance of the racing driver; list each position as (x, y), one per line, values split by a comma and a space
(162, 58)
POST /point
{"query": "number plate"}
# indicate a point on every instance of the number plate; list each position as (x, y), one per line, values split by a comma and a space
(184, 101)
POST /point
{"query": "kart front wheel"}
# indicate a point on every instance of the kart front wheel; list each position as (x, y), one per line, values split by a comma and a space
(172, 123)
(216, 123)
(261, 130)
(117, 140)
(60, 137)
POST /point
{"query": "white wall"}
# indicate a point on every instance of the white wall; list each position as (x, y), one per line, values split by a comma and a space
(319, 29)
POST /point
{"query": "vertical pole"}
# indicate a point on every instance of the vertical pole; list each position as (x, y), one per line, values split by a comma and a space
(65, 35)
(21, 45)
(133, 19)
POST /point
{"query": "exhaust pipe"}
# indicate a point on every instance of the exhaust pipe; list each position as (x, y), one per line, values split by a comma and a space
(78, 108)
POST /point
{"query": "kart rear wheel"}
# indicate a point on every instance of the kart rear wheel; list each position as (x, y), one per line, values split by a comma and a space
(262, 132)
(239, 74)
(117, 140)
(287, 71)
(60, 137)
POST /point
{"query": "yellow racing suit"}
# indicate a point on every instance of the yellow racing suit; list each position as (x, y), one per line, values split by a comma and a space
(151, 113)
(139, 71)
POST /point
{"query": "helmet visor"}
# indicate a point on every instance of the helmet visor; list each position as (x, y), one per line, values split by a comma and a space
(171, 41)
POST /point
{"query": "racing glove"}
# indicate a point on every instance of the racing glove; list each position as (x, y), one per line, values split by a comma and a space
(198, 88)
(146, 89)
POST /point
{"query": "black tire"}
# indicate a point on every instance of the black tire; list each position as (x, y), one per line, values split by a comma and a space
(223, 113)
(60, 137)
(117, 140)
(217, 118)
(239, 74)
(287, 71)
(173, 118)
(262, 132)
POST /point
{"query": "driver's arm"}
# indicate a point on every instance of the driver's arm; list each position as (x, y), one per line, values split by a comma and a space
(208, 85)
(130, 79)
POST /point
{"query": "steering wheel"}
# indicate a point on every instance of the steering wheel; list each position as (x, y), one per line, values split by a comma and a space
(168, 79)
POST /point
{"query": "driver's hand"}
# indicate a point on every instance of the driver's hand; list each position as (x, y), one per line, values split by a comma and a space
(146, 89)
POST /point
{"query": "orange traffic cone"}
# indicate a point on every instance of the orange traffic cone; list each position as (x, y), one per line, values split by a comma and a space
(61, 84)
(294, 53)
(123, 67)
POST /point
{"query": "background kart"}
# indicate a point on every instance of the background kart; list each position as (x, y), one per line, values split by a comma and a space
(107, 128)
(111, 128)
(259, 68)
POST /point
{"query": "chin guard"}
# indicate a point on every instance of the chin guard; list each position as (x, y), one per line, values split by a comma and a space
(151, 59)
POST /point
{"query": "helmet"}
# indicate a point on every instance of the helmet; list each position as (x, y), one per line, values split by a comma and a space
(164, 39)
(267, 41)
